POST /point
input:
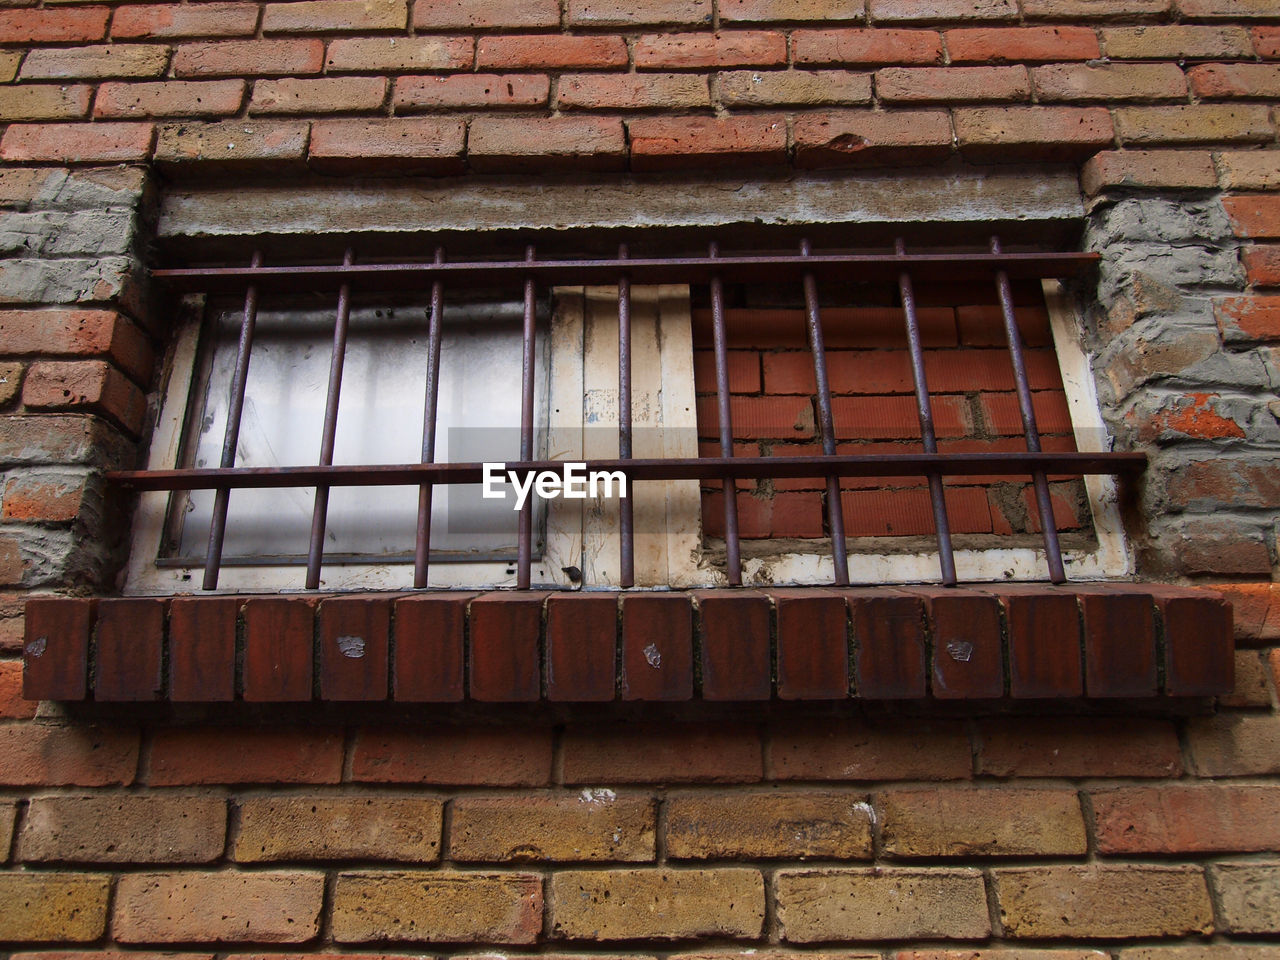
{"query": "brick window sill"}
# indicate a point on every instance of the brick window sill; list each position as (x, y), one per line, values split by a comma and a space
(1112, 641)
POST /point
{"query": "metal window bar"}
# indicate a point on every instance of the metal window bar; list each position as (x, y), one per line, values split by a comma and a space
(713, 269)
(626, 515)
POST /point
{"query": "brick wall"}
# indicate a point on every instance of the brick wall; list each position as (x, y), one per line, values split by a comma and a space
(1093, 831)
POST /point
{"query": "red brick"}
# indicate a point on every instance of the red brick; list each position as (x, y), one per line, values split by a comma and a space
(663, 143)
(1078, 747)
(504, 633)
(121, 828)
(184, 20)
(1252, 681)
(12, 704)
(1000, 412)
(583, 143)
(784, 10)
(1149, 169)
(186, 756)
(48, 498)
(1248, 80)
(1251, 216)
(259, 907)
(1266, 41)
(324, 95)
(1225, 483)
(1005, 133)
(1262, 264)
(428, 145)
(352, 637)
(44, 102)
(733, 632)
(324, 16)
(1093, 9)
(1257, 610)
(426, 94)
(889, 641)
(429, 661)
(632, 91)
(545, 52)
(77, 143)
(952, 84)
(857, 750)
(40, 754)
(129, 637)
(1208, 123)
(683, 51)
(1209, 818)
(169, 98)
(859, 47)
(1235, 744)
(886, 11)
(53, 635)
(278, 649)
(610, 13)
(1176, 42)
(668, 753)
(1249, 319)
(657, 647)
(92, 385)
(1192, 415)
(1220, 546)
(870, 138)
(1021, 44)
(812, 646)
(53, 25)
(745, 88)
(202, 648)
(581, 647)
(80, 333)
(483, 15)
(248, 58)
(497, 756)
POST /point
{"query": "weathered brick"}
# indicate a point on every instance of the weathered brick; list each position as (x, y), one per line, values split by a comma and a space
(1248, 319)
(10, 60)
(248, 58)
(1111, 81)
(53, 25)
(1256, 608)
(53, 907)
(969, 823)
(1262, 264)
(1149, 169)
(1093, 9)
(125, 829)
(420, 145)
(44, 102)
(435, 907)
(169, 98)
(756, 11)
(1254, 216)
(632, 91)
(12, 707)
(68, 439)
(78, 333)
(1225, 482)
(673, 753)
(1235, 744)
(8, 816)
(39, 754)
(10, 381)
(1249, 894)
(591, 143)
(77, 143)
(882, 903)
(338, 828)
(871, 138)
(1227, 9)
(860, 47)
(1248, 170)
(622, 13)
(1181, 819)
(1103, 902)
(1252, 81)
(95, 63)
(194, 755)
(1021, 44)
(952, 84)
(1194, 123)
(483, 15)
(744, 88)
(232, 146)
(776, 825)
(184, 20)
(260, 907)
(400, 54)
(862, 751)
(545, 52)
(1221, 547)
(659, 143)
(1003, 133)
(1266, 41)
(322, 16)
(322, 95)
(888, 11)
(608, 905)
(85, 384)
(444, 755)
(1176, 42)
(429, 94)
(683, 51)
(1207, 951)
(1253, 687)
(42, 497)
(593, 825)
(1079, 747)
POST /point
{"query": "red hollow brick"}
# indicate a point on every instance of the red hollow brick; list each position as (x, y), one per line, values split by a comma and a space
(187, 756)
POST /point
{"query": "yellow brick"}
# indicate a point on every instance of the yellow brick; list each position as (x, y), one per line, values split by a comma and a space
(52, 907)
(965, 823)
(785, 825)
(339, 828)
(430, 907)
(593, 825)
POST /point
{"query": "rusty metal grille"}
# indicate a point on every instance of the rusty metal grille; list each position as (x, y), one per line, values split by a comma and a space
(807, 268)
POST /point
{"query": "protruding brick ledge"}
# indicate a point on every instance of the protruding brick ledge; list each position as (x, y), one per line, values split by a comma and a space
(903, 643)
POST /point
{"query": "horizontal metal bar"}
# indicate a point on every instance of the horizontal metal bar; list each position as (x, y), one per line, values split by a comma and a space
(756, 268)
(700, 468)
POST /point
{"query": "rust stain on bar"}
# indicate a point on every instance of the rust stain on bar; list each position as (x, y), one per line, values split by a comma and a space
(733, 549)
(524, 536)
(422, 536)
(626, 532)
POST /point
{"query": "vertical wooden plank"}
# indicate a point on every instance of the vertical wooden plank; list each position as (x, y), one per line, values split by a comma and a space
(582, 644)
(1199, 646)
(278, 650)
(505, 629)
(55, 648)
(657, 647)
(1119, 643)
(967, 661)
(202, 649)
(813, 646)
(734, 636)
(353, 634)
(129, 638)
(1044, 645)
(889, 646)
(429, 662)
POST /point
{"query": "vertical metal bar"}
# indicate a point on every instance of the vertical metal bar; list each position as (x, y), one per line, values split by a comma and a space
(422, 538)
(835, 509)
(626, 530)
(320, 514)
(524, 539)
(724, 417)
(924, 406)
(231, 437)
(1044, 505)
